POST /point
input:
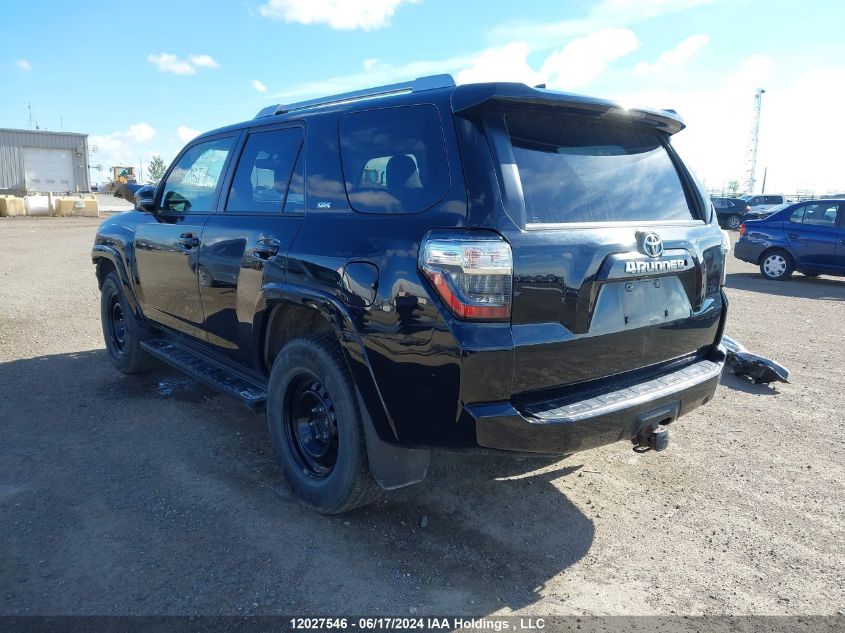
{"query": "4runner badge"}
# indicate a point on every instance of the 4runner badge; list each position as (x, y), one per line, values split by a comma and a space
(645, 267)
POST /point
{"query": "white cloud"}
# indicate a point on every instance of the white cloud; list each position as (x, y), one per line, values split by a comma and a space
(565, 68)
(503, 63)
(523, 38)
(682, 53)
(170, 63)
(203, 61)
(605, 14)
(259, 86)
(800, 152)
(338, 14)
(186, 133)
(119, 148)
(375, 73)
(140, 132)
(23, 64)
(583, 59)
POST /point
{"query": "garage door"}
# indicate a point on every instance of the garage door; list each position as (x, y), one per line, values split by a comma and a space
(48, 169)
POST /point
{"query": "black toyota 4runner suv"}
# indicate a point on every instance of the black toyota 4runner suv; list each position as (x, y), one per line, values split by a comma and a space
(419, 265)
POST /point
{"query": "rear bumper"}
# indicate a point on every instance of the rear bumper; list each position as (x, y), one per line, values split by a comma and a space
(576, 423)
(748, 251)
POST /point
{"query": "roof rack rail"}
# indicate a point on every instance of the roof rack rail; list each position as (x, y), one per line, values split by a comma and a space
(431, 82)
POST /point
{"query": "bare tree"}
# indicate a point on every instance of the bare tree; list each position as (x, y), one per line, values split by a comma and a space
(733, 188)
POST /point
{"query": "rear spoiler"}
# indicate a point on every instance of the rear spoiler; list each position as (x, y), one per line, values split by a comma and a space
(468, 98)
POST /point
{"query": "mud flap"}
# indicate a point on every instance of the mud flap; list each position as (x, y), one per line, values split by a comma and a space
(760, 369)
(392, 466)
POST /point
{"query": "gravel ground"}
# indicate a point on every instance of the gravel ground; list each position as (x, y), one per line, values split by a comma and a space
(152, 494)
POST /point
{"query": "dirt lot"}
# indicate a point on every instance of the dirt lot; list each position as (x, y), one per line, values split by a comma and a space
(152, 494)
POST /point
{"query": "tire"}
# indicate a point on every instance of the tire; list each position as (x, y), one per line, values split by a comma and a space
(121, 330)
(776, 265)
(316, 427)
(733, 222)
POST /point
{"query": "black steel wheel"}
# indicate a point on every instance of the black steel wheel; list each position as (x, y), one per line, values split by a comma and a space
(121, 330)
(316, 427)
(311, 426)
(118, 323)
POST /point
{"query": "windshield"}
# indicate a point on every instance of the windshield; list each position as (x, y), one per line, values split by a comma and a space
(579, 169)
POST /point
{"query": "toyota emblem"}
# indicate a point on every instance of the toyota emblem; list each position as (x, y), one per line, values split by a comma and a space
(652, 245)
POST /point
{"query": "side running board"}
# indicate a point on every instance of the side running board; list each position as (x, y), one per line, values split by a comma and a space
(207, 370)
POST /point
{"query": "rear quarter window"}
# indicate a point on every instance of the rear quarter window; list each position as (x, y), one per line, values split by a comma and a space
(394, 159)
(578, 169)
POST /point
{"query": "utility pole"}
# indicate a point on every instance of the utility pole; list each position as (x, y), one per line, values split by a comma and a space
(29, 117)
(750, 178)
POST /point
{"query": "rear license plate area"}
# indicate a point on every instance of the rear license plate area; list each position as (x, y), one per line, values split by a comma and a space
(639, 303)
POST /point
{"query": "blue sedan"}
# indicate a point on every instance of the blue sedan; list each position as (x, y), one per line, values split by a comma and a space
(805, 236)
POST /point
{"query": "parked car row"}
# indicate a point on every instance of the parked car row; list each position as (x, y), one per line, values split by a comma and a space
(733, 211)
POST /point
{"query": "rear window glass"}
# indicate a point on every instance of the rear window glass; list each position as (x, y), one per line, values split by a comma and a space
(394, 159)
(264, 171)
(576, 169)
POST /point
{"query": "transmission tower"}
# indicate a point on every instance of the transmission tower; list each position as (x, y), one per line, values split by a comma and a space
(750, 174)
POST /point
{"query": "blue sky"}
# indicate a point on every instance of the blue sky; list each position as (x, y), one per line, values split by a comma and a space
(189, 66)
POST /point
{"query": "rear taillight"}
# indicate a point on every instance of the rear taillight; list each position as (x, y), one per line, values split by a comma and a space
(748, 209)
(472, 274)
(726, 250)
(742, 229)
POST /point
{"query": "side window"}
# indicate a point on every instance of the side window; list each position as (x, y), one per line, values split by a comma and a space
(774, 199)
(821, 214)
(296, 192)
(797, 216)
(756, 200)
(264, 171)
(191, 186)
(394, 159)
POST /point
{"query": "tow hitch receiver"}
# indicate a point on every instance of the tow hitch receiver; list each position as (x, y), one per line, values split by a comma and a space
(653, 434)
(760, 369)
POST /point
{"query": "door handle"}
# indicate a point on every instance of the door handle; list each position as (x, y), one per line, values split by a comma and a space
(793, 236)
(188, 241)
(265, 249)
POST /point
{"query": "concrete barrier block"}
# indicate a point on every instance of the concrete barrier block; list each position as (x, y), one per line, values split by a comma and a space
(89, 208)
(11, 206)
(63, 207)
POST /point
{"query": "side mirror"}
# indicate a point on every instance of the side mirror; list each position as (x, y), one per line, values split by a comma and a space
(144, 199)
